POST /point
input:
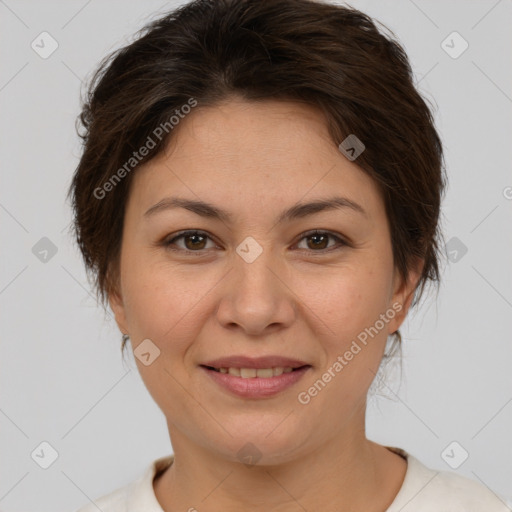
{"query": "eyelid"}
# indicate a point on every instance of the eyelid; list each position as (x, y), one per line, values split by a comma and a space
(342, 242)
(182, 234)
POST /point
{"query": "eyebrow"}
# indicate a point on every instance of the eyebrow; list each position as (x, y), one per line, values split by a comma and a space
(295, 212)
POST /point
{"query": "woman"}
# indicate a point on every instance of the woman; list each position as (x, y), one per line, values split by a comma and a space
(258, 201)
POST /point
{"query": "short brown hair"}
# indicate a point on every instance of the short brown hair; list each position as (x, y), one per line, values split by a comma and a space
(329, 56)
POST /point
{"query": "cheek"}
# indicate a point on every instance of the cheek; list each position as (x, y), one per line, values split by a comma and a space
(164, 305)
(165, 309)
(345, 302)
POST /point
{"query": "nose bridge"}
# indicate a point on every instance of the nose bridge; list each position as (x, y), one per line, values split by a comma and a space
(255, 267)
(256, 296)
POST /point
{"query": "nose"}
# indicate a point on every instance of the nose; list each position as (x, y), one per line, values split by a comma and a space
(255, 296)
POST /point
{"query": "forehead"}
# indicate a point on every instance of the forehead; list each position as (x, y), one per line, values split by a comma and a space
(264, 152)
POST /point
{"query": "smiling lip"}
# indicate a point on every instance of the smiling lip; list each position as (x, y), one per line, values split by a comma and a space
(255, 387)
(254, 362)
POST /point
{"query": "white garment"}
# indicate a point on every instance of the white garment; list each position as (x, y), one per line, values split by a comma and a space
(423, 490)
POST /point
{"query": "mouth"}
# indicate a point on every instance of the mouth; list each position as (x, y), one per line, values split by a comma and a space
(252, 373)
(255, 383)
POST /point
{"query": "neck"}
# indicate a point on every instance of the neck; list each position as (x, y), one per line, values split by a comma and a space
(349, 471)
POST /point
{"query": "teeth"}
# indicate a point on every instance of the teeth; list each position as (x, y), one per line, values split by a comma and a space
(250, 373)
(264, 372)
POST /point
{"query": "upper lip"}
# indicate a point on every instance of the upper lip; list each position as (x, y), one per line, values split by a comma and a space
(254, 362)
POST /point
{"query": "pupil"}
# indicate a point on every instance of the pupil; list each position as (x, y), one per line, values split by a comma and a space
(195, 237)
(316, 237)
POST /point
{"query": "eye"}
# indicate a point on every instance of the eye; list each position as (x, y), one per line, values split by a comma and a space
(319, 240)
(196, 241)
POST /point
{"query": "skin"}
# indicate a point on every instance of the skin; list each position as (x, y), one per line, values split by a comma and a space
(297, 299)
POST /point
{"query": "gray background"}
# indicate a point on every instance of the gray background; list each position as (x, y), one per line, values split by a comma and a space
(62, 376)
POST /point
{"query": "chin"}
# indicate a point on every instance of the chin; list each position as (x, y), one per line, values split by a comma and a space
(260, 445)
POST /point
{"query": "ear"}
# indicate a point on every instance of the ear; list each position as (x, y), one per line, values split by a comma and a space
(117, 305)
(403, 293)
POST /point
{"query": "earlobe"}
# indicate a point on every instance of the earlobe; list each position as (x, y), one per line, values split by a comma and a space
(404, 292)
(117, 306)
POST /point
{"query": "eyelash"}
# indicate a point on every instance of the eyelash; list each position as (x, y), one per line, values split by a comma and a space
(183, 234)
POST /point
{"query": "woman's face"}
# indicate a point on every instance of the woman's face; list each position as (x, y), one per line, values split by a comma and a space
(255, 283)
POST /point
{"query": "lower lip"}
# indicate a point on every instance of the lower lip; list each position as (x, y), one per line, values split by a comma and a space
(256, 387)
